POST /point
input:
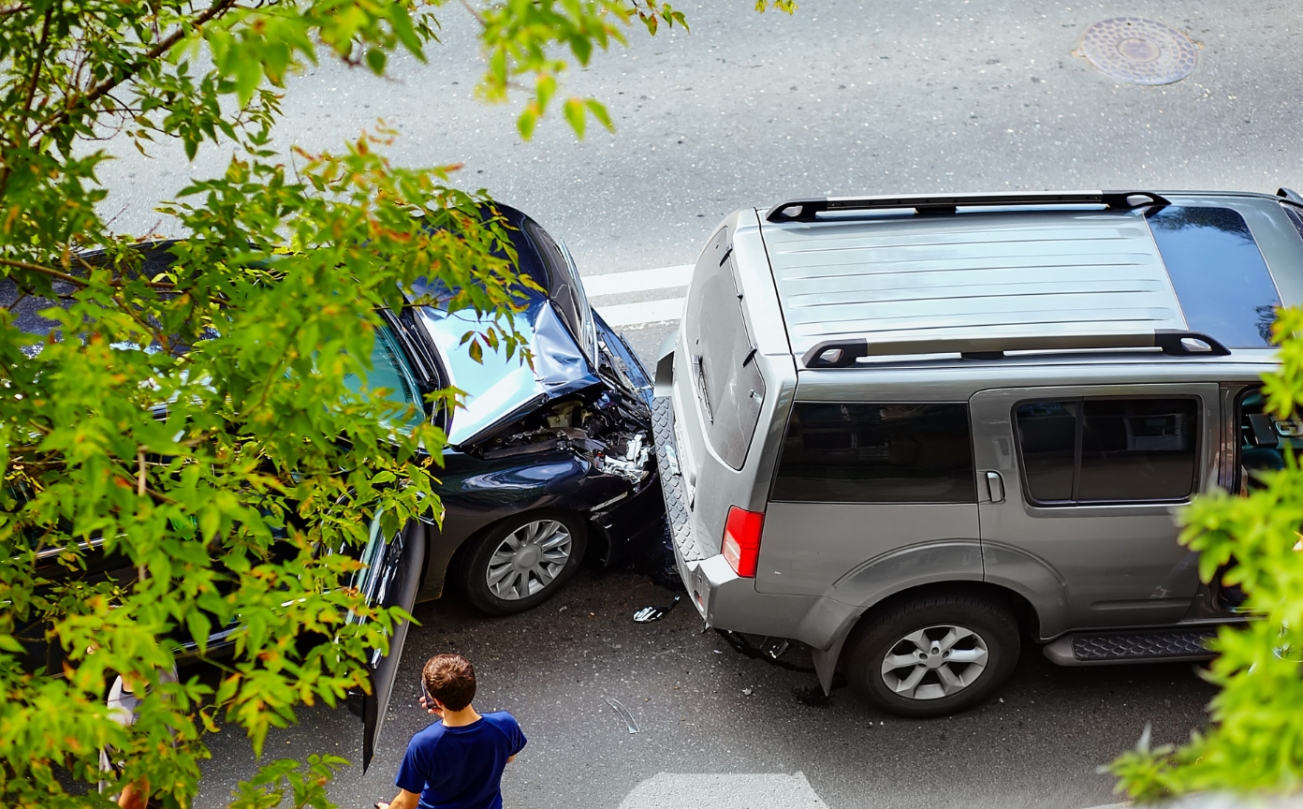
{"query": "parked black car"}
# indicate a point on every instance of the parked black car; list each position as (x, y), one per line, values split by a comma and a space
(546, 465)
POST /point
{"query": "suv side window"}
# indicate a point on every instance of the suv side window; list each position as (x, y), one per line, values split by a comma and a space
(1108, 450)
(877, 453)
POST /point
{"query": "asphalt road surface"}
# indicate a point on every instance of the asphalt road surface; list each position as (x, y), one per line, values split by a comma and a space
(844, 98)
(721, 729)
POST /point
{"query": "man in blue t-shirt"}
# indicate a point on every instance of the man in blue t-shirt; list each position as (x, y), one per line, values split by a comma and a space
(456, 763)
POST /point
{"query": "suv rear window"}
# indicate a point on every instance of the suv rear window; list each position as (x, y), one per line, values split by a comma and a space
(1108, 450)
(1218, 272)
(877, 453)
(724, 378)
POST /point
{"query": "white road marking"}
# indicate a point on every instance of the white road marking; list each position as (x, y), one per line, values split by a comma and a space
(723, 791)
(633, 314)
(616, 283)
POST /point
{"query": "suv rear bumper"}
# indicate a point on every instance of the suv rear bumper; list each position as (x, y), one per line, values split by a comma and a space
(722, 597)
(687, 554)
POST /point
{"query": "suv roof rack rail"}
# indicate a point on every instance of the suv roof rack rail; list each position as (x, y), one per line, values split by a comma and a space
(1175, 342)
(805, 210)
(1289, 195)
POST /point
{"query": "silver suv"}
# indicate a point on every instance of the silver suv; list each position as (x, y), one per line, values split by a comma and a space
(917, 432)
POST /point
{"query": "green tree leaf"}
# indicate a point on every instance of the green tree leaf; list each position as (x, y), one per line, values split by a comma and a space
(1250, 539)
(599, 112)
(575, 116)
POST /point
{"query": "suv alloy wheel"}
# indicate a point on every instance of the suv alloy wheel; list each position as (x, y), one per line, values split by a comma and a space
(934, 655)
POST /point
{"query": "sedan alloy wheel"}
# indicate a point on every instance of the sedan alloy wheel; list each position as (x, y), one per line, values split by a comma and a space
(521, 561)
(529, 559)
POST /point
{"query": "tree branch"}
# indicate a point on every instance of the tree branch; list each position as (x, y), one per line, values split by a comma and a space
(21, 126)
(36, 71)
(158, 336)
(71, 279)
(479, 19)
(161, 47)
(37, 268)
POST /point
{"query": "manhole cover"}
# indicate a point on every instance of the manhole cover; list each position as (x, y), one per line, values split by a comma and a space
(1138, 50)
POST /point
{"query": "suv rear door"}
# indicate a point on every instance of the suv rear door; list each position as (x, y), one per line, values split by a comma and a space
(1078, 487)
(857, 481)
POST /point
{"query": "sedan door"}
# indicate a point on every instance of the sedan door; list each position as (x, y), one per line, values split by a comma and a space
(391, 578)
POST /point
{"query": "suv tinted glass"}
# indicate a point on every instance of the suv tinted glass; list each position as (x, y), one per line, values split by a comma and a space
(1108, 450)
(877, 453)
(1219, 274)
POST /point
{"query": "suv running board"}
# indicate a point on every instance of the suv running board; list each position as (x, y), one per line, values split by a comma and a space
(1155, 646)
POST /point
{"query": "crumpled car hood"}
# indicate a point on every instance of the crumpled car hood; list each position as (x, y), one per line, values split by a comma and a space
(499, 390)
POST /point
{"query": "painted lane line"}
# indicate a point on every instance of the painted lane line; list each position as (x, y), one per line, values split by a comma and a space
(724, 791)
(637, 281)
(633, 314)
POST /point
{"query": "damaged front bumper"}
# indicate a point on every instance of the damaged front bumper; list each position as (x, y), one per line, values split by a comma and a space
(633, 522)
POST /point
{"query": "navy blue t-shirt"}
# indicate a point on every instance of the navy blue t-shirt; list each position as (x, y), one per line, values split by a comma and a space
(461, 768)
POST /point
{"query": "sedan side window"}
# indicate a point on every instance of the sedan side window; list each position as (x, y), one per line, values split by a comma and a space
(1108, 450)
(390, 370)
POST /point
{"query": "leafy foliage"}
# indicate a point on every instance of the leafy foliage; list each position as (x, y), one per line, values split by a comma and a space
(1256, 739)
(194, 410)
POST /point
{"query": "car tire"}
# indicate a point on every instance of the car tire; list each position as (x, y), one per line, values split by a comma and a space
(933, 655)
(523, 560)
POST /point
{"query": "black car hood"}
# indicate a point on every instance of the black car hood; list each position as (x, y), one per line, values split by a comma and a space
(499, 390)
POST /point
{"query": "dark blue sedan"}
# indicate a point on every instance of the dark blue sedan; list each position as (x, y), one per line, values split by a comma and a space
(546, 465)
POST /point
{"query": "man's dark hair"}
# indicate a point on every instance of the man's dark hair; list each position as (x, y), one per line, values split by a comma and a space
(450, 678)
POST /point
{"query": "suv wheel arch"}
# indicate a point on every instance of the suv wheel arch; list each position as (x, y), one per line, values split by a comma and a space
(828, 661)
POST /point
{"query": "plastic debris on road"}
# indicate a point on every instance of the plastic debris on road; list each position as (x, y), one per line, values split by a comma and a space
(648, 614)
(624, 714)
(769, 650)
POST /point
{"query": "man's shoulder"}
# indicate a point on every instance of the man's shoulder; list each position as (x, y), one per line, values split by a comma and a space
(501, 720)
(504, 723)
(507, 729)
(427, 736)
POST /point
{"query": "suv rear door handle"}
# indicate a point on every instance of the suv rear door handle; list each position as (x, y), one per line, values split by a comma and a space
(995, 487)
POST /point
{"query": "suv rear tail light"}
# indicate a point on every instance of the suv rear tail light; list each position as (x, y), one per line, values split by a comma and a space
(742, 540)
